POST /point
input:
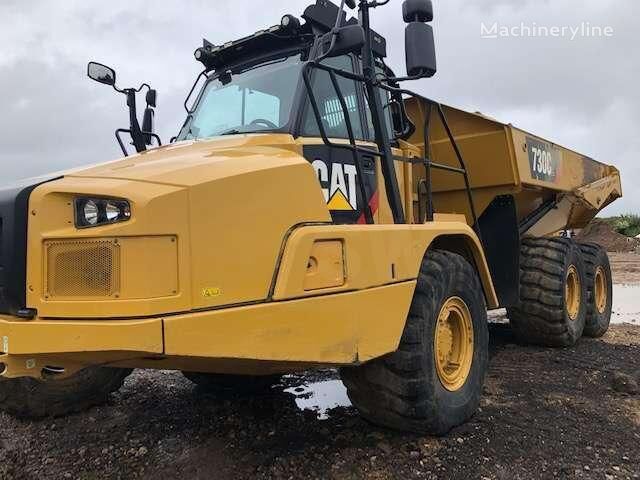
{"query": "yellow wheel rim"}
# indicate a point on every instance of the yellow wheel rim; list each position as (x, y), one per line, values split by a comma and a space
(572, 292)
(600, 290)
(453, 344)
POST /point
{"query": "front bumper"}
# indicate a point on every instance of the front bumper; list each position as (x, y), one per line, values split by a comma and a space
(28, 346)
(339, 329)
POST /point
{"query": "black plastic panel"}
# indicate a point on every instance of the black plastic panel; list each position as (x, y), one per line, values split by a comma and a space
(14, 213)
(336, 172)
(501, 239)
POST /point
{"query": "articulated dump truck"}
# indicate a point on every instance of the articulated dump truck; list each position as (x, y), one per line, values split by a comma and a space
(310, 212)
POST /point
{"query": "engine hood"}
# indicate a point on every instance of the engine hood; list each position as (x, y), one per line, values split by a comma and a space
(227, 202)
(190, 163)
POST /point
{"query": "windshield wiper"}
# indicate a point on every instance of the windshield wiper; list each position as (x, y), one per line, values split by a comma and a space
(231, 131)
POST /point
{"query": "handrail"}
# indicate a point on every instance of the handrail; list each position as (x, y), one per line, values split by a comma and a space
(428, 163)
(352, 147)
(355, 149)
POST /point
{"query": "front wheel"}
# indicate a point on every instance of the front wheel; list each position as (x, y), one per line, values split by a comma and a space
(433, 382)
(50, 397)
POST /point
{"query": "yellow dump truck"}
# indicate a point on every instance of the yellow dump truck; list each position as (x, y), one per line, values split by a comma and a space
(310, 212)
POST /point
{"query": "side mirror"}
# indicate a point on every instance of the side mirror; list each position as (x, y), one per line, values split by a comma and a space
(148, 125)
(101, 73)
(417, 11)
(148, 118)
(420, 50)
(151, 98)
(350, 40)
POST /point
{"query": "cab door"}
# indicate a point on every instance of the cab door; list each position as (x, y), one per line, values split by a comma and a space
(336, 167)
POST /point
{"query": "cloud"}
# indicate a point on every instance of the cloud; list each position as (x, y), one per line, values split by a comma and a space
(579, 93)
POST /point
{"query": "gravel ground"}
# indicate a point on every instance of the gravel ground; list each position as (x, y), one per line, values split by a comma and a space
(545, 413)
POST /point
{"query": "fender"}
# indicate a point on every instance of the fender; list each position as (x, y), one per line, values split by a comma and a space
(371, 256)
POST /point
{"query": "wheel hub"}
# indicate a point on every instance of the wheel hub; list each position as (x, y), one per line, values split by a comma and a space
(600, 290)
(572, 292)
(453, 344)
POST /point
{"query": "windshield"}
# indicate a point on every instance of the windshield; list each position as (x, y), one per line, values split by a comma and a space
(256, 99)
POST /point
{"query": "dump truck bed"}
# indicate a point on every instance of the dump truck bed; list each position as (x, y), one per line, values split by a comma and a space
(504, 160)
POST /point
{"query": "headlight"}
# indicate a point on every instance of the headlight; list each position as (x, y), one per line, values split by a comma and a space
(94, 212)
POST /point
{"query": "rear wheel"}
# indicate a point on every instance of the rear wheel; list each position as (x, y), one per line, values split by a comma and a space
(433, 382)
(52, 397)
(553, 293)
(222, 383)
(599, 289)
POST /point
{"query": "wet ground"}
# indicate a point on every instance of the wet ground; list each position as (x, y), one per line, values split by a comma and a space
(572, 413)
(544, 414)
(626, 304)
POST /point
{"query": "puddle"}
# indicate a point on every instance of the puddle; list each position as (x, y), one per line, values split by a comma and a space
(320, 397)
(626, 304)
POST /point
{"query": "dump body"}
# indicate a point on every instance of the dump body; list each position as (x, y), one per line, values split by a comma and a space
(504, 160)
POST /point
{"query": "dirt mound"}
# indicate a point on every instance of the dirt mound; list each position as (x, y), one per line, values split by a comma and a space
(601, 232)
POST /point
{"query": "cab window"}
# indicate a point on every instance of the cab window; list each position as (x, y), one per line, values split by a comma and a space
(256, 99)
(331, 113)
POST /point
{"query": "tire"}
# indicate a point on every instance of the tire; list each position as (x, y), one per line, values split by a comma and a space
(239, 384)
(404, 390)
(547, 314)
(38, 398)
(599, 303)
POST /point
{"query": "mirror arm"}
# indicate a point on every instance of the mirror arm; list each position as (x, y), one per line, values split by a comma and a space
(402, 79)
(120, 142)
(142, 86)
(376, 3)
(334, 34)
(136, 132)
(154, 135)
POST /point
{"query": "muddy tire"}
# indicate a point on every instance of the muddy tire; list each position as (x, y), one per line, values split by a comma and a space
(553, 295)
(233, 384)
(429, 385)
(599, 289)
(37, 398)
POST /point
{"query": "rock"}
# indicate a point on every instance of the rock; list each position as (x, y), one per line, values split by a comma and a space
(414, 454)
(141, 452)
(460, 440)
(623, 383)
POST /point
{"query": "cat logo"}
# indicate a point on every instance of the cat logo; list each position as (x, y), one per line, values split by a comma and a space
(338, 182)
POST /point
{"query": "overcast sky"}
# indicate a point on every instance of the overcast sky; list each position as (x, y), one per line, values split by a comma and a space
(579, 91)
